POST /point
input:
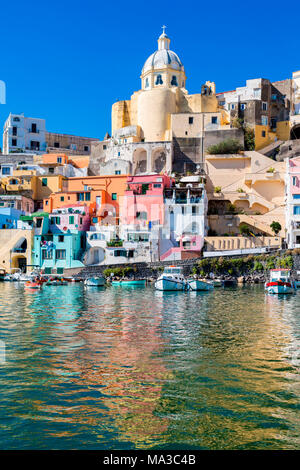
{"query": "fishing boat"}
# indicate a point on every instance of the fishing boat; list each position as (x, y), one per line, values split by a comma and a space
(95, 281)
(200, 284)
(281, 282)
(171, 279)
(129, 282)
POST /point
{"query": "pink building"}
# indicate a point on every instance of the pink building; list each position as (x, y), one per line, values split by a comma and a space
(143, 201)
(293, 202)
(73, 218)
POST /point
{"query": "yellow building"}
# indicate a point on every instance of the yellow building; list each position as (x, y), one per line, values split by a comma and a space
(15, 249)
(162, 95)
(245, 189)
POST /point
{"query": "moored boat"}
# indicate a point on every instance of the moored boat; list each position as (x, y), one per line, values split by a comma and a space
(95, 282)
(129, 282)
(171, 279)
(33, 284)
(217, 283)
(200, 284)
(281, 282)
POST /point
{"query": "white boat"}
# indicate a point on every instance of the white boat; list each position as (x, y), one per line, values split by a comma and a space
(281, 282)
(171, 279)
(200, 284)
(95, 281)
(217, 283)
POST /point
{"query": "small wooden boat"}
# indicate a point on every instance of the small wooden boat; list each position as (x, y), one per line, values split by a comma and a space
(229, 283)
(95, 282)
(200, 284)
(56, 282)
(33, 285)
(217, 283)
(129, 282)
(171, 279)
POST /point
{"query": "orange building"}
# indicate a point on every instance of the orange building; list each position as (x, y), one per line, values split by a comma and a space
(102, 194)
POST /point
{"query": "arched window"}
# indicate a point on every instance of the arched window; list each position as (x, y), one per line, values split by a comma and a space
(174, 81)
(158, 80)
(147, 82)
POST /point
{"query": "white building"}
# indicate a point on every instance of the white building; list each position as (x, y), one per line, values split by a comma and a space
(293, 202)
(185, 220)
(25, 134)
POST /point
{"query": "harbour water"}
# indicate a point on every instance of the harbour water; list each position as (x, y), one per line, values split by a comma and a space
(133, 368)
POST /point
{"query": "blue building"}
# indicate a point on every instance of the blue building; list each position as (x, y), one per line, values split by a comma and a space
(56, 250)
(9, 217)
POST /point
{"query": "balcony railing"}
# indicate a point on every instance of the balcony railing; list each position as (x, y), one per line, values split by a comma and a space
(115, 243)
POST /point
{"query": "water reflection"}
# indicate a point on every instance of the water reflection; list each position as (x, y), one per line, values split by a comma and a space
(137, 368)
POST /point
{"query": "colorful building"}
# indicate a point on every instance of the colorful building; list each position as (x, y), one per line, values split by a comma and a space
(293, 202)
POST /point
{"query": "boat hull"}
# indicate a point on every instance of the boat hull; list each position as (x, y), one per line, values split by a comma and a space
(196, 284)
(95, 282)
(169, 284)
(280, 288)
(137, 282)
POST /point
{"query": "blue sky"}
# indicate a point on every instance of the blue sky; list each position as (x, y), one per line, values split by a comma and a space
(68, 61)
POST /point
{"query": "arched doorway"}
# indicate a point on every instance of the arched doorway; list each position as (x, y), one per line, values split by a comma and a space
(139, 161)
(158, 160)
(295, 132)
(20, 262)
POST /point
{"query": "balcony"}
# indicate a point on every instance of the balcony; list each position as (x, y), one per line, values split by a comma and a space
(114, 243)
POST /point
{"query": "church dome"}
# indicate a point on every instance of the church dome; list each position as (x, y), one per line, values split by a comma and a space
(163, 57)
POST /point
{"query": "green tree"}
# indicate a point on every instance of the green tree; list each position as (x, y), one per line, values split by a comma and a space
(276, 227)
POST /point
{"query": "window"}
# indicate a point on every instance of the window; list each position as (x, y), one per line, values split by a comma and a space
(174, 81)
(61, 238)
(120, 253)
(264, 106)
(274, 97)
(147, 82)
(5, 170)
(264, 120)
(214, 120)
(273, 123)
(60, 254)
(296, 196)
(159, 80)
(296, 210)
(114, 196)
(263, 133)
(117, 172)
(141, 215)
(194, 227)
(71, 219)
(51, 170)
(44, 181)
(47, 203)
(14, 142)
(80, 220)
(59, 159)
(243, 106)
(232, 106)
(87, 196)
(294, 180)
(221, 103)
(191, 120)
(86, 148)
(119, 154)
(182, 210)
(56, 145)
(55, 220)
(47, 254)
(194, 210)
(104, 147)
(157, 185)
(16, 119)
(62, 198)
(80, 196)
(34, 145)
(14, 131)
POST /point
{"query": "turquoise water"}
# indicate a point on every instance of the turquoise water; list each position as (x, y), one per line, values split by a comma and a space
(132, 368)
